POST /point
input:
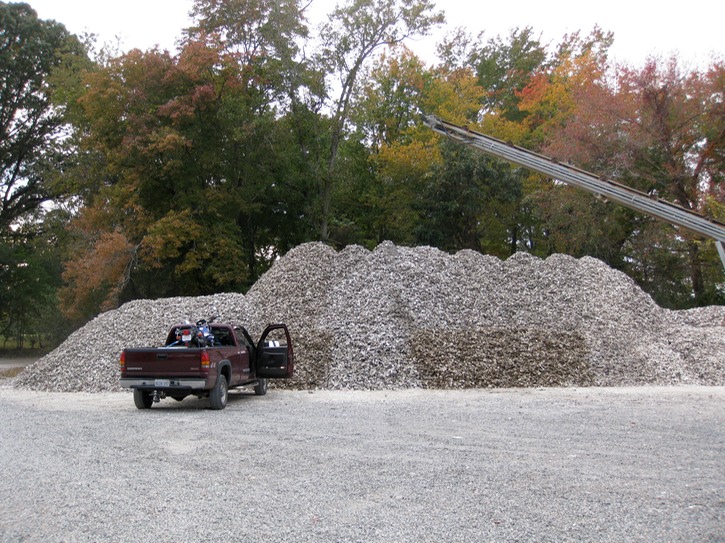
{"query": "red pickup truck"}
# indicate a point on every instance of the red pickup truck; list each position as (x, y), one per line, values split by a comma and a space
(206, 360)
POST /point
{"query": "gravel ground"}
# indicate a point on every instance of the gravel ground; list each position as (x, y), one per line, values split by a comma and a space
(554, 464)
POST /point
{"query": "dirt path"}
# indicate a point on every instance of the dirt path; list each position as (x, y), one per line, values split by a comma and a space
(16, 362)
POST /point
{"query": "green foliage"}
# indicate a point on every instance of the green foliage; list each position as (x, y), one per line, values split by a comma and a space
(29, 277)
(505, 68)
(471, 202)
(574, 222)
(33, 54)
(30, 128)
(355, 32)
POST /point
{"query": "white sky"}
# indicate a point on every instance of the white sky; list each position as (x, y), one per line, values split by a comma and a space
(694, 29)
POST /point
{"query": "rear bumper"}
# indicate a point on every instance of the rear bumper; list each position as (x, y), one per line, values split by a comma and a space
(174, 383)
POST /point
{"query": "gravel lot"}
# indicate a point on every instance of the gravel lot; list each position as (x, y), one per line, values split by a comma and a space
(555, 464)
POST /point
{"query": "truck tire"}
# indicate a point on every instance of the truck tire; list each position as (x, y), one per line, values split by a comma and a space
(218, 395)
(260, 389)
(143, 400)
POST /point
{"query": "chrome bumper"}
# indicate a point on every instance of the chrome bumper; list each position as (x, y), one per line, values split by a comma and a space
(150, 383)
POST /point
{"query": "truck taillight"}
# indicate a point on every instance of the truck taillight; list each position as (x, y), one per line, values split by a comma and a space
(123, 360)
(205, 360)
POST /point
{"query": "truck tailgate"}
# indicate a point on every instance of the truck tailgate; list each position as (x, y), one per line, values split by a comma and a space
(173, 362)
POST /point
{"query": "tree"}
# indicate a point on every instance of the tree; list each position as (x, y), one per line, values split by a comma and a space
(264, 36)
(29, 278)
(678, 140)
(192, 173)
(505, 68)
(471, 202)
(487, 198)
(354, 33)
(414, 190)
(567, 220)
(31, 128)
(659, 129)
(391, 155)
(272, 119)
(33, 148)
(189, 178)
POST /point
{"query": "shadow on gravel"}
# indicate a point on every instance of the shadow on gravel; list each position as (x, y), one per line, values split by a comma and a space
(192, 403)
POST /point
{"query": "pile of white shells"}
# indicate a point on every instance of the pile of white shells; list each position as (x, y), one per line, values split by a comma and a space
(400, 317)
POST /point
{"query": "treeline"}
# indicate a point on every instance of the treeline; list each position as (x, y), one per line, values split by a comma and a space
(151, 174)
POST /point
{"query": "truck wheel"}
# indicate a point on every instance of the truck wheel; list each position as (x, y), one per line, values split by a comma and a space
(218, 395)
(143, 400)
(260, 389)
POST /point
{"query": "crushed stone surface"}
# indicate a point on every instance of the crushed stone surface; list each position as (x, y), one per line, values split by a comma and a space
(401, 317)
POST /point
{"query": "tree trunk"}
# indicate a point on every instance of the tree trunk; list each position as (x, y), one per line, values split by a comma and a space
(325, 196)
(698, 286)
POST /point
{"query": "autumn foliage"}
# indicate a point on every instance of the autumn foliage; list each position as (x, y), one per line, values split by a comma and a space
(189, 173)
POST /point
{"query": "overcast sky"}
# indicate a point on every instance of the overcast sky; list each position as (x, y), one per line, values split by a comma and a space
(641, 28)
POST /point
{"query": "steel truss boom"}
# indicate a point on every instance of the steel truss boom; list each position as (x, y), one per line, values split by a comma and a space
(605, 189)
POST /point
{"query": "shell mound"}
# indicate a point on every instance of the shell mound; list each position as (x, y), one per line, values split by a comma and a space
(400, 317)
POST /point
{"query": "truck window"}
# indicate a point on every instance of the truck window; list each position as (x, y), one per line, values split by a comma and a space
(223, 336)
(241, 338)
(276, 338)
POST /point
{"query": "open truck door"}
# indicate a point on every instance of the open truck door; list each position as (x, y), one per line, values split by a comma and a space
(274, 356)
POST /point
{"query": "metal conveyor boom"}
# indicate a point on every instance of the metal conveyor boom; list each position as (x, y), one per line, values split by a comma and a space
(601, 187)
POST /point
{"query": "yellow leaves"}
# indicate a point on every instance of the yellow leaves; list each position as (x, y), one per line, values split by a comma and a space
(504, 129)
(713, 208)
(102, 107)
(400, 161)
(167, 237)
(454, 96)
(547, 99)
(167, 141)
(405, 148)
(223, 259)
(192, 249)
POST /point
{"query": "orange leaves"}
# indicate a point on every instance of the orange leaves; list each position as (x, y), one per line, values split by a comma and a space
(102, 253)
(97, 277)
(154, 129)
(195, 60)
(550, 99)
